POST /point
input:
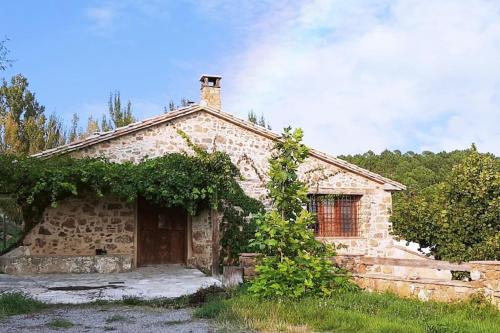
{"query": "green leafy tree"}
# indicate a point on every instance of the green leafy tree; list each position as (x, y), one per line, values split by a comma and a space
(171, 106)
(91, 128)
(458, 219)
(23, 125)
(54, 133)
(252, 117)
(294, 263)
(261, 121)
(119, 116)
(73, 132)
(424, 213)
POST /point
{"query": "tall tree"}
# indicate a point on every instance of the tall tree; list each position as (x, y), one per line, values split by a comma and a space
(261, 121)
(172, 106)
(252, 117)
(54, 133)
(22, 119)
(5, 62)
(73, 132)
(91, 128)
(119, 116)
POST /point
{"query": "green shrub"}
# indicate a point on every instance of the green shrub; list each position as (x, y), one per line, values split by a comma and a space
(13, 303)
(294, 263)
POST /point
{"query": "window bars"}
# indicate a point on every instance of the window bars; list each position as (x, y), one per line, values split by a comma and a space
(336, 215)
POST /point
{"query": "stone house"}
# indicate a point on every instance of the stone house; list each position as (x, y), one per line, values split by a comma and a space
(353, 205)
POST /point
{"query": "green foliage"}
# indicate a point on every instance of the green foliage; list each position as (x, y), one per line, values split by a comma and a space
(294, 263)
(73, 132)
(14, 303)
(288, 194)
(238, 226)
(192, 182)
(261, 121)
(359, 312)
(452, 203)
(459, 218)
(119, 116)
(24, 128)
(60, 323)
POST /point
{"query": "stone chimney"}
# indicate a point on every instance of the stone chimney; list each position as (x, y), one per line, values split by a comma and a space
(210, 91)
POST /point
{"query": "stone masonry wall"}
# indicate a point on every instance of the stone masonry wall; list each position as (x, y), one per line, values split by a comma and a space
(250, 152)
(201, 241)
(431, 285)
(78, 227)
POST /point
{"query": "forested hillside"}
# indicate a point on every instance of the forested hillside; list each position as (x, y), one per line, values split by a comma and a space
(452, 201)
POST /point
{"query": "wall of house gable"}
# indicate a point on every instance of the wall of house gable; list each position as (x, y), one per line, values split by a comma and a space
(250, 152)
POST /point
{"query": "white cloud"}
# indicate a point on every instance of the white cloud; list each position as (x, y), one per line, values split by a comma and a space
(359, 75)
(102, 17)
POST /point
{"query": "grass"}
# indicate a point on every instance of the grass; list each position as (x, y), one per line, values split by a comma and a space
(200, 297)
(115, 318)
(13, 303)
(351, 312)
(60, 323)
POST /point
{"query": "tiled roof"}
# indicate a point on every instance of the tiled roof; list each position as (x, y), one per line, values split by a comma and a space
(134, 127)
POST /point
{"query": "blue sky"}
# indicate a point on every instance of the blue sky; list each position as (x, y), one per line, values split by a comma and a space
(356, 75)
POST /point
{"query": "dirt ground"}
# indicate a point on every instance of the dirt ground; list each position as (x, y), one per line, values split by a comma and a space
(107, 318)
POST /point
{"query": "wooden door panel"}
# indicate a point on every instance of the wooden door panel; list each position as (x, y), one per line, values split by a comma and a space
(161, 235)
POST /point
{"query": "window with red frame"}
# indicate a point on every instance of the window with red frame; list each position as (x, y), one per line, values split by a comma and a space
(336, 215)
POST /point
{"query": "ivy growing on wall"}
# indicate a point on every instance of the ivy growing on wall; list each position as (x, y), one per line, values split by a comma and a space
(193, 182)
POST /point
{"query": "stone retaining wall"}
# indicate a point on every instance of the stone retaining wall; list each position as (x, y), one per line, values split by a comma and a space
(485, 277)
(65, 264)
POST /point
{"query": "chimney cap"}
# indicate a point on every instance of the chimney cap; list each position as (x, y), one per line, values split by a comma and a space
(209, 76)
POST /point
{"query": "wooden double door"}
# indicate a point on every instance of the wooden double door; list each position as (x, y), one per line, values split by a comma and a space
(161, 235)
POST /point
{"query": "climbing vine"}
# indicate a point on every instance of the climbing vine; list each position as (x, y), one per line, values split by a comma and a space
(193, 182)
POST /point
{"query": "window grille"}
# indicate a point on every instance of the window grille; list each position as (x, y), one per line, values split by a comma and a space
(336, 215)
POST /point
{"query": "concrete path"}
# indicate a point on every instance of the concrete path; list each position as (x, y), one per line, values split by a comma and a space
(145, 283)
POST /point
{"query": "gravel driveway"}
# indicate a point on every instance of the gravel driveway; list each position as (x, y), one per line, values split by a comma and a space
(134, 319)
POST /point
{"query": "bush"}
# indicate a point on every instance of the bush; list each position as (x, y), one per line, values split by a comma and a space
(294, 264)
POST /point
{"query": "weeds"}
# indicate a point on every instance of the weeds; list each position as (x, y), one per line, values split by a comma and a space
(115, 318)
(352, 312)
(197, 299)
(60, 323)
(13, 303)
